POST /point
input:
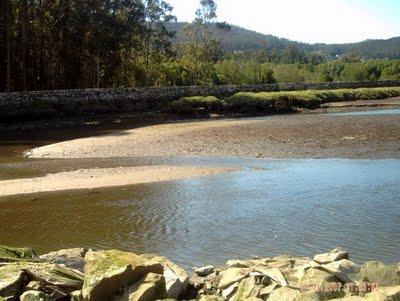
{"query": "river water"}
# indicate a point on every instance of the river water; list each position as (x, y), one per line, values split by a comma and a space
(271, 207)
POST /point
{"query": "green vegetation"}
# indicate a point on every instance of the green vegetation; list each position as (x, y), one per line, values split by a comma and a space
(9, 254)
(48, 45)
(241, 40)
(273, 102)
(264, 102)
(196, 104)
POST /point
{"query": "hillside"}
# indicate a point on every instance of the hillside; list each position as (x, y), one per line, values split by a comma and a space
(242, 39)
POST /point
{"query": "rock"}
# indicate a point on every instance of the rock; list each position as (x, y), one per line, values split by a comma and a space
(326, 284)
(72, 258)
(268, 290)
(35, 296)
(55, 280)
(76, 296)
(204, 271)
(351, 298)
(308, 296)
(65, 279)
(151, 287)
(211, 298)
(33, 286)
(107, 272)
(12, 281)
(283, 293)
(9, 254)
(230, 291)
(234, 263)
(345, 270)
(379, 273)
(250, 287)
(273, 273)
(176, 278)
(384, 294)
(333, 255)
(232, 275)
(197, 282)
(294, 275)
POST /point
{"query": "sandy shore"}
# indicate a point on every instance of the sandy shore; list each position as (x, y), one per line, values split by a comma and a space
(105, 177)
(281, 136)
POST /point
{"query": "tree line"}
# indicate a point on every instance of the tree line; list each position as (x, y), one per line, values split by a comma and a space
(68, 44)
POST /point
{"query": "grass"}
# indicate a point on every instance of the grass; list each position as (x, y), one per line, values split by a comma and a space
(196, 104)
(264, 102)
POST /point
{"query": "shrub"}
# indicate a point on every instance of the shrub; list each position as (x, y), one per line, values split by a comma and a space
(264, 102)
(196, 104)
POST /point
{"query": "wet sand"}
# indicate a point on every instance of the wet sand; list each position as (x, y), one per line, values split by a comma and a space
(106, 177)
(280, 136)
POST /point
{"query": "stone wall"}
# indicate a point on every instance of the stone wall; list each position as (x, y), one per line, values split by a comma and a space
(46, 104)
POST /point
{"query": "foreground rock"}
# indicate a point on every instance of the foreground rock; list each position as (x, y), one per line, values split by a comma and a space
(123, 276)
(72, 258)
(109, 273)
(328, 276)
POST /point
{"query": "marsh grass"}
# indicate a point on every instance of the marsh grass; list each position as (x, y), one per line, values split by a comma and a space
(264, 102)
(196, 104)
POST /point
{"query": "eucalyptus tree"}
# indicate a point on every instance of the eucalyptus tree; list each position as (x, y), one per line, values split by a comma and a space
(203, 49)
(157, 38)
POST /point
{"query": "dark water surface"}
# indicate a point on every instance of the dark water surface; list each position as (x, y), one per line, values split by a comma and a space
(271, 207)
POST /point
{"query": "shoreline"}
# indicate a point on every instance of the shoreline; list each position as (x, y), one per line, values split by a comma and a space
(82, 274)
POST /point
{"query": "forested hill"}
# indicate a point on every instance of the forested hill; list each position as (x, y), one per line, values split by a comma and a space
(242, 39)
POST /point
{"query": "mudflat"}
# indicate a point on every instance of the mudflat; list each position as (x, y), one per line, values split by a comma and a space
(279, 136)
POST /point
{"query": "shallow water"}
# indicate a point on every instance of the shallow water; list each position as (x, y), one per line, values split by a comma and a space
(369, 112)
(271, 207)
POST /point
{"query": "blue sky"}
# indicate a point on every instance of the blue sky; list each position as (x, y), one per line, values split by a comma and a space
(327, 21)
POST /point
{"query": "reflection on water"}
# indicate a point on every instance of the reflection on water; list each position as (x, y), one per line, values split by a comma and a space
(272, 207)
(369, 112)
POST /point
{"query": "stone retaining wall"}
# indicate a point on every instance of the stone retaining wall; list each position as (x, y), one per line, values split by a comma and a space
(56, 103)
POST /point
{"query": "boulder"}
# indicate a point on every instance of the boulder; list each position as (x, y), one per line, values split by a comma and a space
(65, 279)
(109, 272)
(72, 258)
(10, 254)
(176, 278)
(385, 294)
(76, 296)
(231, 276)
(333, 255)
(235, 263)
(284, 293)
(345, 270)
(318, 280)
(273, 273)
(250, 288)
(151, 287)
(230, 291)
(33, 286)
(309, 296)
(351, 298)
(379, 273)
(204, 271)
(55, 280)
(35, 296)
(211, 298)
(12, 281)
